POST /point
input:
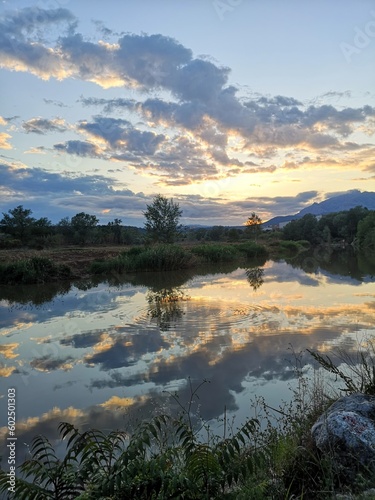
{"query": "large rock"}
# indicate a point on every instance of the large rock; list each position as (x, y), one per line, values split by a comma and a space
(346, 431)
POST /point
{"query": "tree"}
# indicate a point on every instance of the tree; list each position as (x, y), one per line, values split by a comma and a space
(116, 230)
(162, 219)
(18, 222)
(305, 228)
(366, 231)
(253, 224)
(82, 224)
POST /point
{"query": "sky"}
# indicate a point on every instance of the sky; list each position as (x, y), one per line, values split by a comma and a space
(228, 107)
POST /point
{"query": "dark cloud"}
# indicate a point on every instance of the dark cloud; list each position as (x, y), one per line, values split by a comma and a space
(127, 349)
(43, 125)
(55, 103)
(48, 364)
(119, 133)
(29, 181)
(21, 39)
(83, 340)
(79, 148)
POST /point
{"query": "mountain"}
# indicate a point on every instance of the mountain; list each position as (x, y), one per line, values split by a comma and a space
(337, 203)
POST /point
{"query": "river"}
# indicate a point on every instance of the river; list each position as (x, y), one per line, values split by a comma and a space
(108, 354)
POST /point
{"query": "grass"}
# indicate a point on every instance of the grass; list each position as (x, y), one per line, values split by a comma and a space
(32, 271)
(216, 252)
(115, 261)
(175, 257)
(156, 258)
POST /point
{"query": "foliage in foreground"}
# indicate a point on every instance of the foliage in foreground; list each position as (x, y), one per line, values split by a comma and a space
(162, 459)
(271, 456)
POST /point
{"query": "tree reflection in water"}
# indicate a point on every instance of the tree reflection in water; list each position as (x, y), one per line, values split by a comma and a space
(164, 306)
(255, 277)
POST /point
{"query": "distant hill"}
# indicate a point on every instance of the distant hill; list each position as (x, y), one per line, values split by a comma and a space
(337, 203)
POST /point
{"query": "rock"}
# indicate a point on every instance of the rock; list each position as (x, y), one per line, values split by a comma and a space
(346, 431)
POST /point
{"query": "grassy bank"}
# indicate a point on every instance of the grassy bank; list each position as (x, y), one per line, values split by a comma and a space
(174, 257)
(31, 266)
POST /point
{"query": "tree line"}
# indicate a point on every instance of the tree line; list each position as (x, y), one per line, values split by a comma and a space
(19, 228)
(354, 227)
(162, 224)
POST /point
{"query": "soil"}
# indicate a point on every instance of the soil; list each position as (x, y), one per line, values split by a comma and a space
(77, 258)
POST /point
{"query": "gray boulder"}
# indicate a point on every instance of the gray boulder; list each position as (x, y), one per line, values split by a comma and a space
(346, 430)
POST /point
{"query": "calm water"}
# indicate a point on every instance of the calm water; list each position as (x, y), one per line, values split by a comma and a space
(107, 354)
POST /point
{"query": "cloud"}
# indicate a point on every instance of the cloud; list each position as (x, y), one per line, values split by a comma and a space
(22, 47)
(55, 103)
(4, 144)
(119, 133)
(7, 350)
(79, 148)
(193, 105)
(43, 125)
(48, 364)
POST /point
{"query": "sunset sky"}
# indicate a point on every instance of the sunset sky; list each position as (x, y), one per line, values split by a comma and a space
(226, 106)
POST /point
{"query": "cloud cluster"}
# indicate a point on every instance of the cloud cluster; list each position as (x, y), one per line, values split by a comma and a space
(68, 193)
(42, 126)
(205, 130)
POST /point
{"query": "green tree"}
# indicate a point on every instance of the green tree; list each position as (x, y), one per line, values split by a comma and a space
(216, 233)
(253, 224)
(233, 234)
(305, 228)
(18, 222)
(82, 225)
(116, 230)
(162, 220)
(366, 231)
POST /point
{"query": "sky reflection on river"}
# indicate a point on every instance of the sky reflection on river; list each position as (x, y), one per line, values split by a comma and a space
(102, 355)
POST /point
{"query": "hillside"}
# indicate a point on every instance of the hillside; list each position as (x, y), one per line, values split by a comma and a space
(337, 203)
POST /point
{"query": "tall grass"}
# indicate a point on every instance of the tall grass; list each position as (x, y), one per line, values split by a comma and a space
(216, 252)
(251, 249)
(156, 258)
(34, 270)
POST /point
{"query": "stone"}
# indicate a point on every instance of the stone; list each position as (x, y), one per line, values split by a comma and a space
(346, 430)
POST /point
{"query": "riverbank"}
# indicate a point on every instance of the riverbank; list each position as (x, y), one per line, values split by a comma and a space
(78, 259)
(85, 261)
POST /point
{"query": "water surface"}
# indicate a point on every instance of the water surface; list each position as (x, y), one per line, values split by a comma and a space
(108, 354)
